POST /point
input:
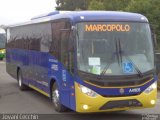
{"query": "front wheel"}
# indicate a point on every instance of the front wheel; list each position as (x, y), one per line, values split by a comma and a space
(20, 83)
(56, 99)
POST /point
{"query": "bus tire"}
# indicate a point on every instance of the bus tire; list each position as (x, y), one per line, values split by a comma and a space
(55, 99)
(20, 81)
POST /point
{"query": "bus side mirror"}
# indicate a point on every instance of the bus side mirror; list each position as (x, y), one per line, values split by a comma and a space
(154, 40)
(153, 36)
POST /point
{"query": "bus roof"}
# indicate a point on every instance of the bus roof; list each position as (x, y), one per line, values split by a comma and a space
(81, 16)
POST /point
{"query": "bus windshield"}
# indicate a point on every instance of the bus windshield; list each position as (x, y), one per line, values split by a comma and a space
(2, 41)
(114, 48)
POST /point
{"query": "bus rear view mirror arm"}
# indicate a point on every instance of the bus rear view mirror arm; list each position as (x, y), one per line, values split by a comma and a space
(153, 36)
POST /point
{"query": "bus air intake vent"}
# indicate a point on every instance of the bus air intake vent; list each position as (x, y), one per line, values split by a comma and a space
(121, 104)
(119, 83)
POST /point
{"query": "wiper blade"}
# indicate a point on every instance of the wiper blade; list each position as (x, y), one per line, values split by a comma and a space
(135, 66)
(130, 60)
(107, 66)
(120, 51)
(105, 69)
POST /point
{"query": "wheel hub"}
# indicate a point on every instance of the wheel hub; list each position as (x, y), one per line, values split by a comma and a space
(20, 81)
(55, 96)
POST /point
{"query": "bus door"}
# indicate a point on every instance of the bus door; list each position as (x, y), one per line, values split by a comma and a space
(62, 50)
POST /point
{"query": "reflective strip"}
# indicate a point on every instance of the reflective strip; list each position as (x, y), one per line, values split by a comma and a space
(37, 89)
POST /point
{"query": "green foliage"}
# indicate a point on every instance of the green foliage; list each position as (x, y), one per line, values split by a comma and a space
(96, 5)
(116, 5)
(108, 4)
(72, 4)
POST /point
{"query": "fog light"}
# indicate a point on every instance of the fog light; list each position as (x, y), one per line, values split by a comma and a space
(85, 107)
(152, 102)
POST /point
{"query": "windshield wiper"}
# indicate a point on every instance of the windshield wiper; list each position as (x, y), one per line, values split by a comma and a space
(119, 52)
(105, 69)
(107, 66)
(135, 66)
(130, 60)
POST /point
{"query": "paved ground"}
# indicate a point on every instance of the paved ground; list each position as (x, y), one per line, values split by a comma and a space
(12, 100)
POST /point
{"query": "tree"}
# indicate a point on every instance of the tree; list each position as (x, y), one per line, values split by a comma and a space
(108, 4)
(96, 5)
(72, 4)
(116, 5)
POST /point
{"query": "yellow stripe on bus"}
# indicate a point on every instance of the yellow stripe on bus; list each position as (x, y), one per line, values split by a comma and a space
(37, 89)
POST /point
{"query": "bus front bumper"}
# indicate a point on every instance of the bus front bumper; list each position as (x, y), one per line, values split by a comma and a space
(85, 103)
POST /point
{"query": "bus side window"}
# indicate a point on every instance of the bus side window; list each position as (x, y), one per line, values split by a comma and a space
(71, 52)
(64, 48)
(66, 55)
(60, 44)
(55, 43)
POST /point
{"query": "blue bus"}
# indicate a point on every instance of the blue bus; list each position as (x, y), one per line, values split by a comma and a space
(87, 61)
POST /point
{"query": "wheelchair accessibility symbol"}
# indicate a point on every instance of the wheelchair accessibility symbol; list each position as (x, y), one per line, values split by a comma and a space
(128, 67)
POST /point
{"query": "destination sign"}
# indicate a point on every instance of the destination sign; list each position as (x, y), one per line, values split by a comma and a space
(107, 27)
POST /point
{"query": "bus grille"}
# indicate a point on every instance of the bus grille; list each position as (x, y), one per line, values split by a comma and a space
(120, 82)
(121, 104)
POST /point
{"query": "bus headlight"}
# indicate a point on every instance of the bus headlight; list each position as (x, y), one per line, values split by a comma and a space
(87, 91)
(2, 51)
(151, 87)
